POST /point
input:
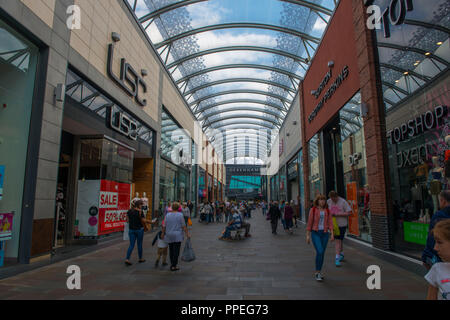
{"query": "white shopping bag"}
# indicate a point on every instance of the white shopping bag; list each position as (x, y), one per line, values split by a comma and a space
(126, 229)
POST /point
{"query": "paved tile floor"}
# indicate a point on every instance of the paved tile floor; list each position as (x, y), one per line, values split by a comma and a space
(261, 267)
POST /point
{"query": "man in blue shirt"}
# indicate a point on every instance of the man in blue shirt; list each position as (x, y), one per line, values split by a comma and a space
(234, 224)
(429, 255)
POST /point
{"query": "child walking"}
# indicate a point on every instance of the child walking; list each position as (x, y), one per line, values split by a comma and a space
(162, 250)
(438, 277)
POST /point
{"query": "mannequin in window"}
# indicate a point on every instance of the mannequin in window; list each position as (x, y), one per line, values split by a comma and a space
(144, 203)
(447, 158)
(435, 179)
(136, 198)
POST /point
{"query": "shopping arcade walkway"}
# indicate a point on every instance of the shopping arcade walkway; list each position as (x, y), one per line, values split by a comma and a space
(262, 267)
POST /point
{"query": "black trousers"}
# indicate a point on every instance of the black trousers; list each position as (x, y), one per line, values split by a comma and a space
(174, 252)
(274, 226)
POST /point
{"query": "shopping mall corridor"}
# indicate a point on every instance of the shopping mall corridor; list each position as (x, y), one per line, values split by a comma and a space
(261, 267)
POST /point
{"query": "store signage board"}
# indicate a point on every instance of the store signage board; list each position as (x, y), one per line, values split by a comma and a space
(418, 125)
(415, 232)
(129, 80)
(2, 179)
(330, 92)
(6, 224)
(394, 14)
(122, 123)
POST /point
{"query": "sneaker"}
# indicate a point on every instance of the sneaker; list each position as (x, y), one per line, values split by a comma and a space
(341, 258)
(318, 277)
(338, 262)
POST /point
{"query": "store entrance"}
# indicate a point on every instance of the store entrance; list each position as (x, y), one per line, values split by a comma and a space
(62, 194)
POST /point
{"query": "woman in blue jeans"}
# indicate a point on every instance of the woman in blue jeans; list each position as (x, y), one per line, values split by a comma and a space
(136, 221)
(319, 229)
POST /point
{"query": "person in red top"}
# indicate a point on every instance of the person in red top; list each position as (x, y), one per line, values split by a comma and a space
(319, 229)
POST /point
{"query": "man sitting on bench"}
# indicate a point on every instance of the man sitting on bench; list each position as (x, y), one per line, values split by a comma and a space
(234, 224)
(244, 224)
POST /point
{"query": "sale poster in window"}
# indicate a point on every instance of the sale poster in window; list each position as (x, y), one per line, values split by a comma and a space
(6, 224)
(352, 198)
(114, 204)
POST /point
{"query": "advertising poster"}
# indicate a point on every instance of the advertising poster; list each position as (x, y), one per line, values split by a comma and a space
(352, 198)
(2, 177)
(86, 224)
(416, 232)
(6, 224)
(114, 203)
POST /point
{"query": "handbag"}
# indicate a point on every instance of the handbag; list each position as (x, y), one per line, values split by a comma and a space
(336, 230)
(188, 252)
(189, 222)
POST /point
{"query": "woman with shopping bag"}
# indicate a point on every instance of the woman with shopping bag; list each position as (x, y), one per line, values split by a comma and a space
(172, 233)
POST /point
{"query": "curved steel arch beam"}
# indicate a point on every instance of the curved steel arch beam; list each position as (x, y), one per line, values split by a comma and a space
(180, 4)
(394, 87)
(218, 94)
(246, 25)
(236, 48)
(411, 72)
(207, 116)
(416, 50)
(231, 80)
(272, 105)
(244, 125)
(210, 123)
(238, 66)
(265, 121)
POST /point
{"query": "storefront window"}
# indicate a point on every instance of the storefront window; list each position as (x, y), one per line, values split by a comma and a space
(104, 188)
(18, 59)
(283, 184)
(414, 62)
(301, 186)
(315, 173)
(352, 154)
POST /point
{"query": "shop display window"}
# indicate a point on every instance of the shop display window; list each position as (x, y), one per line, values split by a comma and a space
(315, 172)
(18, 61)
(351, 152)
(413, 65)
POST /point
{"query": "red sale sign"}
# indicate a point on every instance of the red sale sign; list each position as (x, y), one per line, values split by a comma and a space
(114, 203)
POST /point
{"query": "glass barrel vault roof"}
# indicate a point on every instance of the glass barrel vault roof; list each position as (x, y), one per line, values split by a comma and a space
(238, 63)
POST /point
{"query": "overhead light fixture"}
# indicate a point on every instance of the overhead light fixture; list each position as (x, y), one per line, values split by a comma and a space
(406, 73)
(397, 81)
(439, 43)
(416, 63)
(428, 53)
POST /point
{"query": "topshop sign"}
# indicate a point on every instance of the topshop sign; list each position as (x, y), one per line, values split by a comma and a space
(413, 127)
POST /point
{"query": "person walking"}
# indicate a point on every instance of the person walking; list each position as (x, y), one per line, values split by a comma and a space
(275, 215)
(136, 221)
(319, 229)
(264, 208)
(191, 209)
(288, 217)
(172, 233)
(340, 209)
(186, 213)
(429, 255)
